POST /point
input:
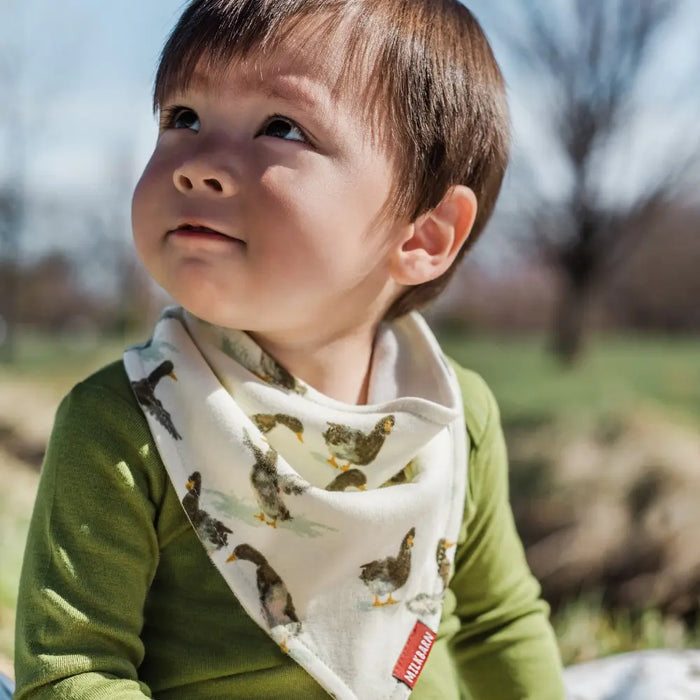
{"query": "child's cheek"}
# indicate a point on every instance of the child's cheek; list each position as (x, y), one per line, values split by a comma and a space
(142, 205)
(287, 204)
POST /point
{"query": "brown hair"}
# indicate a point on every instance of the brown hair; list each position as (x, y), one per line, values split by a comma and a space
(434, 87)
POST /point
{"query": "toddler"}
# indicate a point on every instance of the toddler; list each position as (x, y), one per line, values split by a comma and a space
(288, 491)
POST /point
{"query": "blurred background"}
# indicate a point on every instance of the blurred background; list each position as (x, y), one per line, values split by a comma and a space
(580, 305)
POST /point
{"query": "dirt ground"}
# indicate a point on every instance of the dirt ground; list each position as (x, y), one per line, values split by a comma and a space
(612, 507)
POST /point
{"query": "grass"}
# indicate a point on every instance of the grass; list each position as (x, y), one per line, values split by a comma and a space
(15, 511)
(64, 359)
(585, 630)
(616, 373)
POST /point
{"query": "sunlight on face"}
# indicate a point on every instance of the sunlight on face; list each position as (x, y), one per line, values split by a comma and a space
(260, 207)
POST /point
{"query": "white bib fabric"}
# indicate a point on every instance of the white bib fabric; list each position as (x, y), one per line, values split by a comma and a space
(331, 523)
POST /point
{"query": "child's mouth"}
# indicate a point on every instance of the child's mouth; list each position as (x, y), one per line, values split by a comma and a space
(201, 232)
(195, 228)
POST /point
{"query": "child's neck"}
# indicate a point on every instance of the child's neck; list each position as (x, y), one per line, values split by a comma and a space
(337, 367)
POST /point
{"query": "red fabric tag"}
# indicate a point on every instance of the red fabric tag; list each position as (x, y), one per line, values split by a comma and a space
(414, 655)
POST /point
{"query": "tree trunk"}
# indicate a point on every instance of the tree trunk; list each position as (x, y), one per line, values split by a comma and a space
(8, 317)
(569, 323)
(9, 289)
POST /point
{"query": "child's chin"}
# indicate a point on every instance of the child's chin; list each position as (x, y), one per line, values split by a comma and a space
(209, 313)
(203, 299)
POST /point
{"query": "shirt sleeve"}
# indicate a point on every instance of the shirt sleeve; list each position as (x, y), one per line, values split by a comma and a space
(90, 556)
(505, 647)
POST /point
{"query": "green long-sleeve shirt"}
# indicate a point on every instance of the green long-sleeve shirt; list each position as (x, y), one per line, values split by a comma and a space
(119, 600)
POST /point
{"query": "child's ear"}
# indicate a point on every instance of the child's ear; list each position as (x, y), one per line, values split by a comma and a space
(433, 240)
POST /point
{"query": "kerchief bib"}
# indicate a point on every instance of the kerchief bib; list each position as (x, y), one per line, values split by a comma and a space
(331, 523)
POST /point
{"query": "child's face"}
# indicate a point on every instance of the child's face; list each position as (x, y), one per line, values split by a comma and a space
(257, 209)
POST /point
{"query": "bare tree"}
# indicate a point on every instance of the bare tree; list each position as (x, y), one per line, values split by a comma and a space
(27, 89)
(587, 60)
(12, 190)
(112, 251)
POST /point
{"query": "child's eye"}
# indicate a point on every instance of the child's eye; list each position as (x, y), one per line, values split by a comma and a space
(180, 118)
(282, 128)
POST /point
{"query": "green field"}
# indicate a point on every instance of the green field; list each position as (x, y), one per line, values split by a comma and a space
(615, 376)
(529, 383)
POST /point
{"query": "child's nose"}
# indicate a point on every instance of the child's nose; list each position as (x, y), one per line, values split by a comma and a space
(197, 176)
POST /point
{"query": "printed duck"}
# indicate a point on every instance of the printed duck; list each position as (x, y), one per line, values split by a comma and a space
(144, 390)
(268, 485)
(443, 563)
(384, 576)
(208, 528)
(353, 478)
(275, 599)
(272, 372)
(355, 446)
(266, 422)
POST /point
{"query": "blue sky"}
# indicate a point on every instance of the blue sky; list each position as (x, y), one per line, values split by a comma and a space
(88, 68)
(81, 74)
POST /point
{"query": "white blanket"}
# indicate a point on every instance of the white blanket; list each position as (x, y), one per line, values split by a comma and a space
(659, 674)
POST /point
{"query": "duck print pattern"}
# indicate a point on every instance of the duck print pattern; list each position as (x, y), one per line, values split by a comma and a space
(264, 367)
(272, 372)
(425, 604)
(405, 476)
(354, 446)
(353, 478)
(275, 599)
(384, 576)
(443, 563)
(210, 530)
(144, 389)
(268, 485)
(265, 422)
(270, 475)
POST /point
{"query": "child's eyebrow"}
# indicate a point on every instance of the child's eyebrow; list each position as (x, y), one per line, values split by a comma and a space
(313, 98)
(312, 95)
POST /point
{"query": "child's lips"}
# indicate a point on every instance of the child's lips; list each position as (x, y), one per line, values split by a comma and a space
(197, 231)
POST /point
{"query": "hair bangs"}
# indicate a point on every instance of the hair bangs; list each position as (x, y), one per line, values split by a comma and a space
(219, 32)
